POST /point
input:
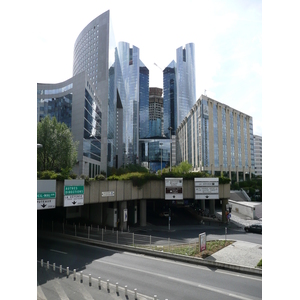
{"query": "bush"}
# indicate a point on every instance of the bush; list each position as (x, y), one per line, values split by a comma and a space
(99, 177)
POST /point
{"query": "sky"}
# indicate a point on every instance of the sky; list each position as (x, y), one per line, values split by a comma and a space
(227, 35)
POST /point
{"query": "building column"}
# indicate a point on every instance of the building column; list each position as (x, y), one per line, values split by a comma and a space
(229, 171)
(244, 174)
(143, 212)
(224, 217)
(237, 174)
(122, 222)
(212, 203)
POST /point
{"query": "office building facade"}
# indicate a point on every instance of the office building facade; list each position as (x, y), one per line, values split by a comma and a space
(121, 82)
(156, 111)
(74, 103)
(214, 137)
(258, 155)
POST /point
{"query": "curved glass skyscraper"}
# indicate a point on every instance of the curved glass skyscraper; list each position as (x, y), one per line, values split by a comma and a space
(121, 82)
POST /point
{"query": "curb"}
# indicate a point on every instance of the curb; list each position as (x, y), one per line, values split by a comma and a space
(155, 253)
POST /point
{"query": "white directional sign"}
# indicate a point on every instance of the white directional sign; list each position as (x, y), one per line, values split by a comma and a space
(173, 188)
(46, 194)
(73, 192)
(108, 194)
(206, 188)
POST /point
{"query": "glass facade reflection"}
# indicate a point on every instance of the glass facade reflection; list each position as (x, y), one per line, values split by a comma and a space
(185, 80)
(78, 107)
(155, 153)
(121, 81)
(170, 98)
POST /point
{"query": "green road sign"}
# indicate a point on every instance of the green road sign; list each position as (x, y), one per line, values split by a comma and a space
(46, 195)
(74, 190)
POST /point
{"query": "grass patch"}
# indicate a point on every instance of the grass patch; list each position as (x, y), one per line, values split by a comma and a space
(259, 264)
(193, 249)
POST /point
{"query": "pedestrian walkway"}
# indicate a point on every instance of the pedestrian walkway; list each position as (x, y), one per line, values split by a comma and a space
(52, 285)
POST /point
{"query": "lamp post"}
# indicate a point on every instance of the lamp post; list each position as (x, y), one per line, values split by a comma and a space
(160, 144)
(170, 128)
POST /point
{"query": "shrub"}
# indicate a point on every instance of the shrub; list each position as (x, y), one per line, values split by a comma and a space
(99, 177)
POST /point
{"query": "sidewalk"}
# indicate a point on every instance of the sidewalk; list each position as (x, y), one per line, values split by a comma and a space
(239, 253)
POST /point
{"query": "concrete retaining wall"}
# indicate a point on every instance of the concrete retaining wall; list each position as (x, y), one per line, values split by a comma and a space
(124, 190)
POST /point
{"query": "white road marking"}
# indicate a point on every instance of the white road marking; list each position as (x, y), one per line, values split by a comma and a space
(58, 251)
(40, 293)
(60, 291)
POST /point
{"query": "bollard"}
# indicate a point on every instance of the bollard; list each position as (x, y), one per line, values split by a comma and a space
(81, 276)
(90, 279)
(117, 236)
(89, 229)
(126, 294)
(99, 283)
(135, 294)
(48, 264)
(150, 240)
(102, 234)
(74, 274)
(107, 284)
(155, 297)
(42, 262)
(53, 266)
(117, 288)
(133, 239)
(67, 272)
(60, 269)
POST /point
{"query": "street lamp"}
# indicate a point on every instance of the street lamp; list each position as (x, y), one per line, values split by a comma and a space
(170, 128)
(39, 146)
(161, 157)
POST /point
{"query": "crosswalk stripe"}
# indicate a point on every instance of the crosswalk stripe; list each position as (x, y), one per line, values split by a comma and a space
(60, 291)
(40, 293)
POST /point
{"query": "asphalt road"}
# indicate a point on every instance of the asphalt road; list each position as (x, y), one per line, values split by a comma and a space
(151, 276)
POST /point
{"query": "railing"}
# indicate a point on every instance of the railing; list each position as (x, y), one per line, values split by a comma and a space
(121, 237)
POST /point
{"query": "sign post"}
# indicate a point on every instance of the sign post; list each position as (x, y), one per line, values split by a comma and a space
(202, 241)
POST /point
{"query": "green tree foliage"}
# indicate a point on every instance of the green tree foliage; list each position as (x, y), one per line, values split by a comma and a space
(183, 168)
(59, 151)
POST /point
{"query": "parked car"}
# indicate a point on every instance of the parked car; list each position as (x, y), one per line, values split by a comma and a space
(254, 228)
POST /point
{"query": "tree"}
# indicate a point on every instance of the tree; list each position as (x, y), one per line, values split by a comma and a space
(184, 167)
(59, 151)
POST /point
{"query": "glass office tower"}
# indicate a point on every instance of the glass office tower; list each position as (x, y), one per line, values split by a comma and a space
(186, 80)
(170, 98)
(135, 100)
(74, 103)
(179, 88)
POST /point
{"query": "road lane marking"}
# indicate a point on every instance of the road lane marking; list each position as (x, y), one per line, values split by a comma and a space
(191, 283)
(58, 251)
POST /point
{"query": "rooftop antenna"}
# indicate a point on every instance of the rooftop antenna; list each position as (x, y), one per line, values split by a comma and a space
(204, 92)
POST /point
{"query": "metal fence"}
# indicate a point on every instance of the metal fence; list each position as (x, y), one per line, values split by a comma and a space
(121, 237)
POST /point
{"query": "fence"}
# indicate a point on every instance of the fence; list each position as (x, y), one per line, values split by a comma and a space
(122, 238)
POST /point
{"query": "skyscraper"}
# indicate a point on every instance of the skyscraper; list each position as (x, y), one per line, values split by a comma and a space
(179, 88)
(135, 100)
(156, 110)
(121, 82)
(186, 80)
(170, 98)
